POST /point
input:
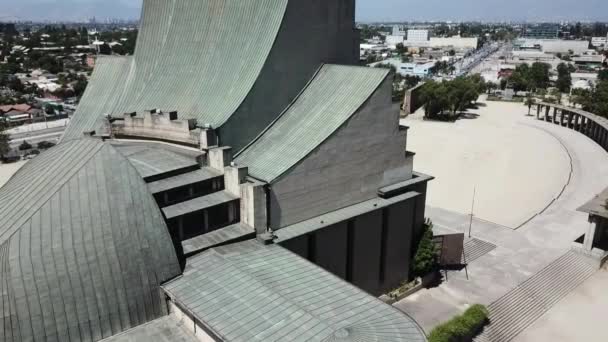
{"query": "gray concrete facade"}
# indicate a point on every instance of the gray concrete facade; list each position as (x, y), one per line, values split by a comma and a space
(371, 251)
(377, 155)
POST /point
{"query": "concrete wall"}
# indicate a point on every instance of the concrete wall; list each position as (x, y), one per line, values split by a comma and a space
(411, 102)
(313, 32)
(367, 153)
(371, 251)
(331, 247)
(189, 324)
(397, 244)
(366, 251)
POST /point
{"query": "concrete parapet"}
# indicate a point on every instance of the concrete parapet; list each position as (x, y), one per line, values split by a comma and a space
(220, 157)
(253, 205)
(234, 176)
(157, 125)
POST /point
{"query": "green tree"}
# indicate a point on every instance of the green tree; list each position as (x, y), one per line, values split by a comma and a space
(539, 76)
(4, 139)
(564, 78)
(602, 75)
(401, 49)
(425, 260)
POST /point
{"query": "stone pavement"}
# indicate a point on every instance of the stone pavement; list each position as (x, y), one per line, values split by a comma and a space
(520, 253)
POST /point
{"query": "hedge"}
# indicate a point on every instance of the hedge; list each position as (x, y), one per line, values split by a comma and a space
(461, 328)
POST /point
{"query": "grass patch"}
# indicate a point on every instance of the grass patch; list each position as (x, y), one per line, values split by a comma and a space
(463, 327)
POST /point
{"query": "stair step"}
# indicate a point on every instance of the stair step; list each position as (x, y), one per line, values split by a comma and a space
(522, 306)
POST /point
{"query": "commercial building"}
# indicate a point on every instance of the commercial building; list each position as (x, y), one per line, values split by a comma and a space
(417, 36)
(455, 42)
(599, 42)
(257, 194)
(541, 31)
(553, 45)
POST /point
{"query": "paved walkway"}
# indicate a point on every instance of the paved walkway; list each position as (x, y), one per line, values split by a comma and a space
(519, 253)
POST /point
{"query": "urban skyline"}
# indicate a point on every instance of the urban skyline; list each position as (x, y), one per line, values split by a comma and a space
(367, 10)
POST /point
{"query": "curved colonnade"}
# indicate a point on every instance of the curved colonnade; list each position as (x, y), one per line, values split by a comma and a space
(595, 241)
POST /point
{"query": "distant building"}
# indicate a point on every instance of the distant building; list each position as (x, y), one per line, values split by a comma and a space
(397, 31)
(542, 31)
(417, 36)
(589, 60)
(421, 69)
(393, 41)
(553, 45)
(456, 42)
(599, 41)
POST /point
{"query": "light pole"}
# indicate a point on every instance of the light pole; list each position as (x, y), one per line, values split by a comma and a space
(472, 208)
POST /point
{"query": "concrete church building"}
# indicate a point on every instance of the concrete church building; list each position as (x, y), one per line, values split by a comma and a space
(237, 179)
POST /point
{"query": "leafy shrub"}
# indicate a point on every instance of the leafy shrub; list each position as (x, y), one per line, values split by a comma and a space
(461, 328)
(425, 260)
(44, 145)
(25, 146)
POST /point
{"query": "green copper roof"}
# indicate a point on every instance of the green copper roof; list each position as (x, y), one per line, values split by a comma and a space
(83, 247)
(330, 99)
(199, 57)
(251, 292)
(104, 88)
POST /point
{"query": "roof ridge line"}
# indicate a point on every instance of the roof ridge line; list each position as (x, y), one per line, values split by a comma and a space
(285, 110)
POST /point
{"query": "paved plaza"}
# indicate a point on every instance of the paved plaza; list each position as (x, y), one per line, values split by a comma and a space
(527, 172)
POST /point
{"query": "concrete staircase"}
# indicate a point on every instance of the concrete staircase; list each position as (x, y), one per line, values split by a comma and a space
(521, 307)
(475, 249)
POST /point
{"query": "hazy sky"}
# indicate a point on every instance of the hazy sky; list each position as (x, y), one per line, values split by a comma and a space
(367, 10)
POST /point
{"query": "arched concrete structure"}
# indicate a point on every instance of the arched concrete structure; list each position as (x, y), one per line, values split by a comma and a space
(595, 241)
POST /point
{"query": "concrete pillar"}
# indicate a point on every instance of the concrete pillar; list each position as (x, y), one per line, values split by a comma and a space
(554, 115)
(596, 132)
(590, 234)
(219, 158)
(205, 221)
(180, 225)
(577, 122)
(231, 212)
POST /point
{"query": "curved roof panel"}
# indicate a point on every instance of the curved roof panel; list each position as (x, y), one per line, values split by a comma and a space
(83, 247)
(199, 57)
(105, 87)
(252, 292)
(330, 99)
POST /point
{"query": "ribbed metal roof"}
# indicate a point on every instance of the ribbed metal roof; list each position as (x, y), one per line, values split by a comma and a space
(238, 231)
(104, 88)
(152, 160)
(204, 174)
(251, 292)
(198, 204)
(83, 247)
(165, 329)
(199, 57)
(330, 99)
